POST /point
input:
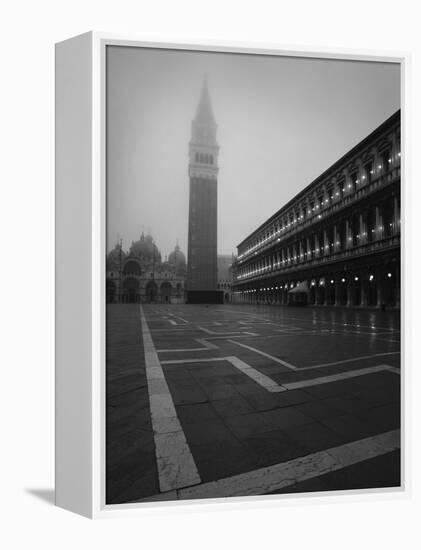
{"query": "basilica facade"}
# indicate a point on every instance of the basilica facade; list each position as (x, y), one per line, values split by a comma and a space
(140, 275)
(336, 243)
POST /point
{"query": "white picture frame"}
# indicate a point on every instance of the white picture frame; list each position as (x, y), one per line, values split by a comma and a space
(80, 287)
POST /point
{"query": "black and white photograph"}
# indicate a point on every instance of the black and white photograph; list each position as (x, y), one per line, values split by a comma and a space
(253, 274)
(211, 275)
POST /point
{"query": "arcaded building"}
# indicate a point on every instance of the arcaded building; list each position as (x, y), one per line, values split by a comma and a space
(140, 275)
(336, 243)
(203, 173)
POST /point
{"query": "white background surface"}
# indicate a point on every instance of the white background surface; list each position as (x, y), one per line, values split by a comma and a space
(28, 33)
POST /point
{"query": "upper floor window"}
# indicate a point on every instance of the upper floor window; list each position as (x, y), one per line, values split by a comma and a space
(340, 188)
(369, 171)
(386, 160)
(330, 194)
(354, 180)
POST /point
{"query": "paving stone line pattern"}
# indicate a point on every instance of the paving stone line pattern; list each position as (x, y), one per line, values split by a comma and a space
(293, 367)
(289, 473)
(176, 466)
(231, 419)
(270, 385)
(276, 477)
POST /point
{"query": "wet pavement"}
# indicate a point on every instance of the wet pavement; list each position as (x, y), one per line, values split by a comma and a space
(231, 400)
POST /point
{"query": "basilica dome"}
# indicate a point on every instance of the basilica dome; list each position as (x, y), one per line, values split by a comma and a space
(115, 258)
(177, 260)
(145, 249)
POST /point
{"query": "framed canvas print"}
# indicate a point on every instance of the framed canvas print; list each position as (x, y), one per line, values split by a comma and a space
(231, 327)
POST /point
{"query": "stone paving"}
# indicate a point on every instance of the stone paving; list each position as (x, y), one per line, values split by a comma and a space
(230, 400)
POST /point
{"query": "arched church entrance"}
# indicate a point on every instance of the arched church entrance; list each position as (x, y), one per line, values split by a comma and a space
(131, 290)
(166, 293)
(151, 291)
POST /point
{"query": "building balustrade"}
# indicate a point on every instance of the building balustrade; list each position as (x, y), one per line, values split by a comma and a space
(355, 251)
(380, 182)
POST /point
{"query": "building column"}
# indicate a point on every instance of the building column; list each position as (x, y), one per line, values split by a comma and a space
(317, 292)
(325, 283)
(379, 224)
(316, 246)
(326, 242)
(380, 286)
(336, 246)
(348, 235)
(363, 229)
(283, 257)
(320, 294)
(337, 291)
(309, 253)
(349, 291)
(364, 287)
(330, 289)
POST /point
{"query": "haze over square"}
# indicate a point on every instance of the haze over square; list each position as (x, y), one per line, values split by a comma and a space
(281, 122)
(276, 370)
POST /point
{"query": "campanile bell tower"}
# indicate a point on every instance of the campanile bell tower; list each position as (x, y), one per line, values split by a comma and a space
(203, 174)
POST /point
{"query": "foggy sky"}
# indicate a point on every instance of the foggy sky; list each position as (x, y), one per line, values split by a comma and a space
(281, 122)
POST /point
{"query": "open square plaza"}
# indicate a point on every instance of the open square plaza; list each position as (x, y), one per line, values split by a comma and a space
(253, 280)
(223, 400)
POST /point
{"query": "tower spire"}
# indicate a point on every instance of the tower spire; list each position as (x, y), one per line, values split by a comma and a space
(204, 111)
